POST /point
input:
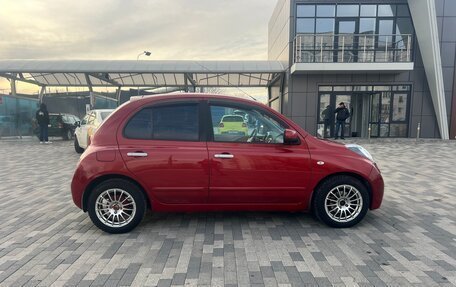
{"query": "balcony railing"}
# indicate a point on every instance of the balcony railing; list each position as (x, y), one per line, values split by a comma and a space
(352, 48)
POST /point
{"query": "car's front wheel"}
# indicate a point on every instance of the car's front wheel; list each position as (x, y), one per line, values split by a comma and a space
(67, 135)
(341, 201)
(77, 148)
(116, 206)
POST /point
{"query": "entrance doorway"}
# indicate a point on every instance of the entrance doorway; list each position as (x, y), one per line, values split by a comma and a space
(384, 112)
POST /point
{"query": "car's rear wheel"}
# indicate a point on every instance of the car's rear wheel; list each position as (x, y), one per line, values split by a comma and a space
(116, 206)
(341, 201)
(77, 148)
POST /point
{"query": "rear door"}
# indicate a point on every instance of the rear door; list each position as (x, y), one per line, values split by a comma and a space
(164, 146)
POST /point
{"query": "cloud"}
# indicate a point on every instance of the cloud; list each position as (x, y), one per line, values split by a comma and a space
(120, 29)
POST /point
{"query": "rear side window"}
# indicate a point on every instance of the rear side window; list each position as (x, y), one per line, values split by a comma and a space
(176, 122)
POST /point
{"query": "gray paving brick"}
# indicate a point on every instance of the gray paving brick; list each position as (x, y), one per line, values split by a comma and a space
(409, 241)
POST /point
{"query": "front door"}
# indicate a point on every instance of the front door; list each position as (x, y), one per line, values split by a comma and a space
(163, 147)
(328, 104)
(250, 164)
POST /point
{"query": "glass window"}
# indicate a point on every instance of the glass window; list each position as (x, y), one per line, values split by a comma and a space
(326, 111)
(399, 107)
(403, 11)
(305, 26)
(305, 11)
(368, 10)
(325, 88)
(325, 26)
(404, 26)
(176, 122)
(385, 108)
(91, 119)
(326, 10)
(84, 120)
(367, 26)
(347, 10)
(386, 10)
(104, 115)
(231, 124)
(140, 126)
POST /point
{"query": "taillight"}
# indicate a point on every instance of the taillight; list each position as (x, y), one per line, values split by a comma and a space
(244, 125)
(221, 125)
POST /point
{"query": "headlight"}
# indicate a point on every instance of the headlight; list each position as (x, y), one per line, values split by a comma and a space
(359, 150)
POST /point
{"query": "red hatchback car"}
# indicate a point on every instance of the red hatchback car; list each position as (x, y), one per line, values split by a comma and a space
(167, 153)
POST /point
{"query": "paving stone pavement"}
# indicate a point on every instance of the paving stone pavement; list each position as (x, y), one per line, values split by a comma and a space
(410, 241)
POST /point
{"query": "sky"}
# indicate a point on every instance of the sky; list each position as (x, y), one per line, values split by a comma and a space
(122, 29)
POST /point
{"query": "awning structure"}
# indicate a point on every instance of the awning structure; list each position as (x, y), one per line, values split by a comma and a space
(184, 74)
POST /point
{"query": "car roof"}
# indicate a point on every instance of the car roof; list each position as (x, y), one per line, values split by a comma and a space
(152, 98)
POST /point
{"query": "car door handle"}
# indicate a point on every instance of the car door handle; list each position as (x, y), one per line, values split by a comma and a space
(137, 154)
(223, 155)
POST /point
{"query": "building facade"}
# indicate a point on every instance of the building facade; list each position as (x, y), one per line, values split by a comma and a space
(392, 63)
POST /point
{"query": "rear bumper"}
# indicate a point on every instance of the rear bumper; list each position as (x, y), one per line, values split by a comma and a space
(78, 185)
(377, 188)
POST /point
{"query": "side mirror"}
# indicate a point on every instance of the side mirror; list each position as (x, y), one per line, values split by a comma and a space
(77, 124)
(291, 137)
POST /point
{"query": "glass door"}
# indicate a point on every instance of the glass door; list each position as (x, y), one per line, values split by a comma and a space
(328, 103)
(380, 114)
(346, 41)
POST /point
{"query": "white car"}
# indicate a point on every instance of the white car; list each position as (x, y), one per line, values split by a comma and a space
(87, 127)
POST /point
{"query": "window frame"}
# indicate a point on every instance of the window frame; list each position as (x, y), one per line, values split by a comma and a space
(202, 135)
(243, 106)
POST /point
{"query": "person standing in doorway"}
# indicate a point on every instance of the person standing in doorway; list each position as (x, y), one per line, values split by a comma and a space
(42, 118)
(328, 121)
(342, 115)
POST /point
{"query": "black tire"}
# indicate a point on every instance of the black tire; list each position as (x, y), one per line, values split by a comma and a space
(131, 196)
(77, 148)
(67, 135)
(341, 195)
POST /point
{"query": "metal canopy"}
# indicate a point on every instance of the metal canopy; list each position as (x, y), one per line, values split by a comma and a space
(78, 73)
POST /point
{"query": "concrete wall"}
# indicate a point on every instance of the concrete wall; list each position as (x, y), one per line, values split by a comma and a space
(279, 33)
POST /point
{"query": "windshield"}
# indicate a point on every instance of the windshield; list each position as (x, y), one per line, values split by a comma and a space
(104, 115)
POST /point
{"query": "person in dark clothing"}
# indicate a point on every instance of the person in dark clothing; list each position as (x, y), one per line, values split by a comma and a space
(342, 115)
(42, 118)
(328, 119)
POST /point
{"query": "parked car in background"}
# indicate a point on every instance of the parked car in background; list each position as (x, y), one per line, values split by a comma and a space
(87, 127)
(166, 153)
(60, 125)
(233, 124)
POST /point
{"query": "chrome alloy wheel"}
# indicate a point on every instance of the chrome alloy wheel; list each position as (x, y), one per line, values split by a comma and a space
(343, 203)
(115, 207)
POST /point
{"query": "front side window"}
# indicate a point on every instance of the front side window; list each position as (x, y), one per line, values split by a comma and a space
(173, 122)
(231, 124)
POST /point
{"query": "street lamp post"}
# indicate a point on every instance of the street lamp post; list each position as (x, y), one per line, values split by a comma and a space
(147, 53)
